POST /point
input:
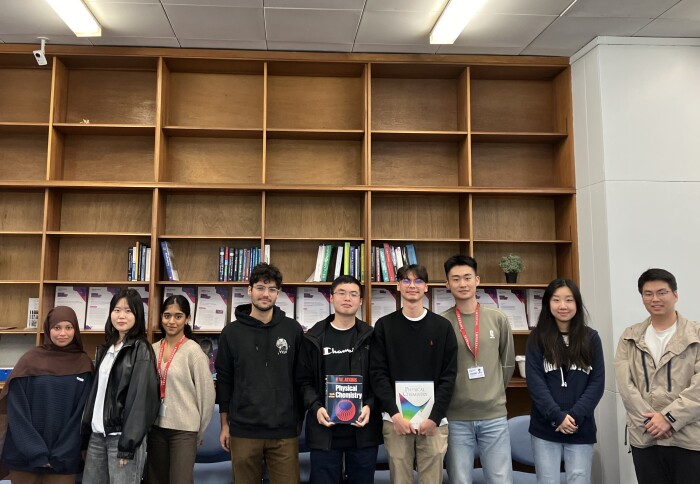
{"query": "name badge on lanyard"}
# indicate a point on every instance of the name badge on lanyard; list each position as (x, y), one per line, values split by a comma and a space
(163, 372)
(476, 371)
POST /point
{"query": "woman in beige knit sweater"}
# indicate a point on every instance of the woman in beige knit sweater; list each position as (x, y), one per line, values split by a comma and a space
(187, 398)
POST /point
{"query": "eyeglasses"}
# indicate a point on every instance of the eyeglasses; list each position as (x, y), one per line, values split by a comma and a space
(344, 294)
(648, 295)
(417, 282)
(178, 316)
(263, 289)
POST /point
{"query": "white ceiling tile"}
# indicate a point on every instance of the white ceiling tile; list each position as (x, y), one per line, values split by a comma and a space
(396, 48)
(620, 8)
(539, 7)
(223, 44)
(685, 10)
(671, 28)
(566, 35)
(405, 5)
(132, 20)
(318, 4)
(54, 40)
(221, 23)
(314, 26)
(503, 30)
(31, 17)
(483, 50)
(217, 3)
(400, 28)
(309, 47)
(137, 41)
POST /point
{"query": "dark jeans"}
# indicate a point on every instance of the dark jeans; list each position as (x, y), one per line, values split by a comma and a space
(660, 464)
(327, 465)
(171, 455)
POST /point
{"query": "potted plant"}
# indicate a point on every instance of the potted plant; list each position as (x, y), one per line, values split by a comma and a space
(511, 264)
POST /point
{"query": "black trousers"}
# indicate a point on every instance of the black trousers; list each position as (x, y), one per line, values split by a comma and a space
(171, 455)
(660, 464)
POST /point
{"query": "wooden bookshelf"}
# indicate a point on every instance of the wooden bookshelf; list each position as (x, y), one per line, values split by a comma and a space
(203, 148)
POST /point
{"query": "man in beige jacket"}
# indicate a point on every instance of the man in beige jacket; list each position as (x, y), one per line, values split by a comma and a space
(657, 367)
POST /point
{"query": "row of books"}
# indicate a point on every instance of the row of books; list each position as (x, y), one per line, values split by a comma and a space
(387, 259)
(139, 263)
(91, 304)
(334, 261)
(235, 264)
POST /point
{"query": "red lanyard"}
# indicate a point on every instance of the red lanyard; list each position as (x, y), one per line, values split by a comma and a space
(475, 352)
(164, 373)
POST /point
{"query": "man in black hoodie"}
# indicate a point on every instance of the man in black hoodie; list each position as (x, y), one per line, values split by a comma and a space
(339, 345)
(255, 385)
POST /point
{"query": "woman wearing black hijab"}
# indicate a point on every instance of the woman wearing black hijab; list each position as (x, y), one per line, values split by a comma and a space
(42, 403)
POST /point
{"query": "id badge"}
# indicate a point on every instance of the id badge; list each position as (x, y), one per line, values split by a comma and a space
(163, 408)
(476, 372)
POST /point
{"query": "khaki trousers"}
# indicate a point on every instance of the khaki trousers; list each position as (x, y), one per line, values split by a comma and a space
(281, 457)
(428, 452)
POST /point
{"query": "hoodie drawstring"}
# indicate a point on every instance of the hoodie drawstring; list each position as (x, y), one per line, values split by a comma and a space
(563, 382)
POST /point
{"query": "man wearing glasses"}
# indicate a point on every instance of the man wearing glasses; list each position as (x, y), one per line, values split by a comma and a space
(414, 344)
(339, 345)
(657, 367)
(255, 385)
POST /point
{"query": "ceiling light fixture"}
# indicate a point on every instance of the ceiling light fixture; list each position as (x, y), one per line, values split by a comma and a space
(77, 16)
(453, 20)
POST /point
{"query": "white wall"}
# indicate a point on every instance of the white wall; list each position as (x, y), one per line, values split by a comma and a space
(637, 144)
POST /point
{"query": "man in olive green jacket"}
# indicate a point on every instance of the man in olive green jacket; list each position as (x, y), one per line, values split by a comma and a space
(657, 367)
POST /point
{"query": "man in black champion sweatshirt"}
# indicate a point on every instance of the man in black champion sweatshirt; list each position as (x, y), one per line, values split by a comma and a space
(414, 345)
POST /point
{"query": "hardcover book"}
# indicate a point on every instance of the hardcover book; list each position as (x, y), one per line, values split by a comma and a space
(415, 400)
(343, 398)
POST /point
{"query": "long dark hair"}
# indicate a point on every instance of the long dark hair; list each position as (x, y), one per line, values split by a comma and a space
(546, 335)
(184, 305)
(138, 331)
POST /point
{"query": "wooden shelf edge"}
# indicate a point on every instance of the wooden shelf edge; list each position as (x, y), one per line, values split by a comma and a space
(60, 233)
(59, 282)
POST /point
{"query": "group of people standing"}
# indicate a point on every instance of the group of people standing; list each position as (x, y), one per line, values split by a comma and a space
(270, 375)
(55, 403)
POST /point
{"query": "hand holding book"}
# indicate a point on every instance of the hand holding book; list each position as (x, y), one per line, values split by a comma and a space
(323, 417)
(363, 418)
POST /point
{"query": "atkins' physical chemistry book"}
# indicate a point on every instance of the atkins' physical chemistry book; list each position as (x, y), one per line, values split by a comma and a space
(415, 400)
(343, 398)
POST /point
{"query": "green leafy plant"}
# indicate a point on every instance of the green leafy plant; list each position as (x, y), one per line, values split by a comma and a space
(511, 263)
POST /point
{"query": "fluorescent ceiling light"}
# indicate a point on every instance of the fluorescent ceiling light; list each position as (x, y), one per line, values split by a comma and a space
(77, 16)
(453, 19)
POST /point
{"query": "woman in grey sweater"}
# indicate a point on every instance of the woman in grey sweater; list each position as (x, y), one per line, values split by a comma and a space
(187, 398)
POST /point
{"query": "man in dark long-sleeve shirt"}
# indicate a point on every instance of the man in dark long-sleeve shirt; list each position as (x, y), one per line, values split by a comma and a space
(414, 345)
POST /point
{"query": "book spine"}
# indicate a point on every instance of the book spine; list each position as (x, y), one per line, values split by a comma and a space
(352, 261)
(411, 250)
(362, 263)
(148, 264)
(383, 265)
(326, 262)
(391, 275)
(267, 253)
(319, 263)
(377, 264)
(232, 256)
(338, 262)
(166, 260)
(137, 261)
(346, 259)
(129, 274)
(142, 263)
(222, 263)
